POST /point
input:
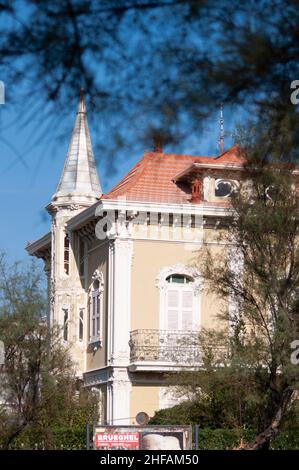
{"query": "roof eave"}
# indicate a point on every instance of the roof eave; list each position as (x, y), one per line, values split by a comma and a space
(41, 244)
(213, 166)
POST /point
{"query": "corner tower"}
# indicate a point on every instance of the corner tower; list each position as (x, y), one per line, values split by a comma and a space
(79, 182)
(78, 189)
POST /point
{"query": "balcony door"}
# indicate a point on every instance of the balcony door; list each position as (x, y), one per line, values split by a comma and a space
(180, 287)
(180, 303)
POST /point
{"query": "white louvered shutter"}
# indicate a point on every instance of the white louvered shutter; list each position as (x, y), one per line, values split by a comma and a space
(173, 309)
(98, 314)
(187, 310)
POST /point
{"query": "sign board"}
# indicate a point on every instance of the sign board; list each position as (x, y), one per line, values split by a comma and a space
(142, 437)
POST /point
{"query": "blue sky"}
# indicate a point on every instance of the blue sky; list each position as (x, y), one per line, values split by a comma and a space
(30, 171)
(32, 154)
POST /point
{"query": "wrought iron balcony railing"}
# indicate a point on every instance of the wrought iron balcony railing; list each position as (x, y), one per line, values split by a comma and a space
(167, 346)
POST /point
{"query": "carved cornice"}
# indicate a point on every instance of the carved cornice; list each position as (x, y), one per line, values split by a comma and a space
(97, 377)
(98, 276)
(88, 231)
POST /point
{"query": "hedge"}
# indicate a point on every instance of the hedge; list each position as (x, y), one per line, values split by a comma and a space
(54, 439)
(224, 439)
(209, 439)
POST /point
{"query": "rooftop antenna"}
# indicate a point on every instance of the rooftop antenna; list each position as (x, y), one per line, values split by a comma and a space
(221, 121)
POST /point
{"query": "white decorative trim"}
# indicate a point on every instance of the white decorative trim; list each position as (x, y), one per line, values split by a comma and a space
(118, 398)
(235, 184)
(81, 342)
(110, 301)
(157, 366)
(163, 285)
(91, 213)
(97, 276)
(97, 377)
(168, 398)
(179, 269)
(206, 187)
(120, 262)
(119, 388)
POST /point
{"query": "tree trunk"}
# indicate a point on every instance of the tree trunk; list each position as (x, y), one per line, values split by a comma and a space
(263, 440)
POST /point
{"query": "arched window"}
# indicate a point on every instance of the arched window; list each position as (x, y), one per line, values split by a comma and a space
(66, 255)
(179, 299)
(225, 188)
(96, 307)
(65, 312)
(179, 279)
(81, 324)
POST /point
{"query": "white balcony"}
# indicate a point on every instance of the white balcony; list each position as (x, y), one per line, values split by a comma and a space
(159, 350)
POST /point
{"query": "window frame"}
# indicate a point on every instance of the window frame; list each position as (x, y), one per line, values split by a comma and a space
(65, 324)
(66, 254)
(81, 324)
(95, 330)
(196, 287)
(234, 186)
(180, 289)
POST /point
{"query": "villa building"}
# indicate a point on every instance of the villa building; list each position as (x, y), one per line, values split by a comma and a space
(123, 280)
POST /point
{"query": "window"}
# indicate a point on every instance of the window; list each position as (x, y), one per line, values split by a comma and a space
(179, 308)
(225, 188)
(272, 193)
(180, 304)
(179, 279)
(96, 300)
(81, 324)
(81, 257)
(66, 255)
(65, 324)
(180, 288)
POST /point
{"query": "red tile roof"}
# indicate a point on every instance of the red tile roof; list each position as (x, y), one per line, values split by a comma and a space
(151, 179)
(232, 155)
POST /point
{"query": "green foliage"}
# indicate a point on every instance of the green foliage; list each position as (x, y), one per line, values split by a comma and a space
(213, 437)
(209, 439)
(286, 440)
(248, 373)
(39, 387)
(185, 413)
(221, 439)
(224, 439)
(207, 412)
(54, 439)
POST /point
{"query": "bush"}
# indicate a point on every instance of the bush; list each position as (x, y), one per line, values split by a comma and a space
(208, 439)
(224, 439)
(286, 440)
(214, 436)
(56, 438)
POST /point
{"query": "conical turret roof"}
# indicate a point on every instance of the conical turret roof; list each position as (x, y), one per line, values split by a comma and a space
(79, 181)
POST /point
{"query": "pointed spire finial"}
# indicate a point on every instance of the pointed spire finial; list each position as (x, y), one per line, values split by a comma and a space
(221, 120)
(81, 105)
